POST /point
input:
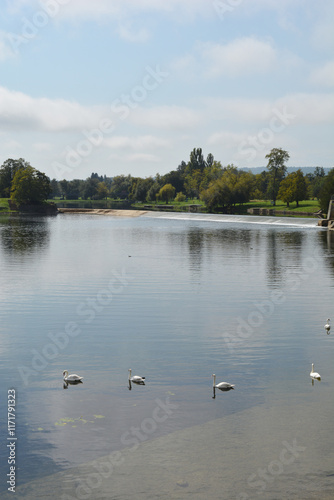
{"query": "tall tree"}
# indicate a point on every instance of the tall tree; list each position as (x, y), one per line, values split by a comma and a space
(232, 187)
(121, 186)
(167, 192)
(294, 188)
(196, 161)
(7, 172)
(102, 191)
(277, 168)
(30, 186)
(327, 191)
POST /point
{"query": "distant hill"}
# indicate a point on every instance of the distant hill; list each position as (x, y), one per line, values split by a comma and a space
(305, 170)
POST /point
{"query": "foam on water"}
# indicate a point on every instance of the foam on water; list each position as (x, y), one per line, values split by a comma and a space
(238, 219)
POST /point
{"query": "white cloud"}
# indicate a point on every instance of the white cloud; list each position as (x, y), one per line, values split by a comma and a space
(42, 146)
(133, 158)
(20, 111)
(143, 157)
(10, 145)
(323, 76)
(238, 110)
(6, 51)
(131, 34)
(135, 143)
(309, 109)
(322, 29)
(297, 108)
(240, 57)
(116, 9)
(165, 117)
(225, 138)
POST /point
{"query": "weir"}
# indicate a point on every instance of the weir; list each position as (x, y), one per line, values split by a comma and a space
(237, 219)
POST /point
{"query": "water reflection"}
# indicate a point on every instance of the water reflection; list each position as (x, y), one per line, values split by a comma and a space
(284, 251)
(22, 234)
(328, 326)
(326, 239)
(68, 382)
(196, 242)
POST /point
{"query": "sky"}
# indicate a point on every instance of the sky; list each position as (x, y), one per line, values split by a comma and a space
(124, 87)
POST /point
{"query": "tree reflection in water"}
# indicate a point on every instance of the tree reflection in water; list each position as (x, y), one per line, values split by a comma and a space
(21, 234)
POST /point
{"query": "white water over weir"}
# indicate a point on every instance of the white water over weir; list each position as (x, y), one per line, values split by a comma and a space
(306, 223)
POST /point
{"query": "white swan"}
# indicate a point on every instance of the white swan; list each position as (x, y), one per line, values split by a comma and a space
(223, 386)
(314, 374)
(136, 379)
(328, 325)
(73, 378)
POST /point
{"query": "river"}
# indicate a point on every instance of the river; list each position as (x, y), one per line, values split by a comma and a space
(176, 298)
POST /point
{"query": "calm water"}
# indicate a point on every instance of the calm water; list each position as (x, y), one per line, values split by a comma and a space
(176, 298)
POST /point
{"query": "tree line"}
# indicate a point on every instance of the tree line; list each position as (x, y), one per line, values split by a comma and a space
(219, 187)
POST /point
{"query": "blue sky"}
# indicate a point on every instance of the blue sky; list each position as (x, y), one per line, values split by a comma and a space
(132, 86)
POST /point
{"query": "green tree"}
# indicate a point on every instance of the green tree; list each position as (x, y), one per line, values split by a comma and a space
(276, 166)
(30, 186)
(166, 193)
(301, 186)
(261, 185)
(55, 188)
(192, 183)
(232, 187)
(89, 188)
(286, 190)
(153, 192)
(141, 189)
(121, 187)
(7, 172)
(196, 161)
(74, 188)
(102, 191)
(316, 181)
(180, 197)
(327, 191)
(212, 172)
(294, 188)
(175, 178)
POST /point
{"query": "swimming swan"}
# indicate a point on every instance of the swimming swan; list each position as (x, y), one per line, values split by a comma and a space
(314, 374)
(223, 386)
(73, 378)
(328, 325)
(136, 379)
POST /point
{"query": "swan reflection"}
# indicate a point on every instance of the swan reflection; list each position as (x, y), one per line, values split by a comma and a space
(328, 326)
(66, 383)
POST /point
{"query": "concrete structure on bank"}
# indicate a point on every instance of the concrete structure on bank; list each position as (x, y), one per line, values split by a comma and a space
(329, 222)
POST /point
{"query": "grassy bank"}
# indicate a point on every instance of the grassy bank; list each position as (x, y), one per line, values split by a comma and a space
(4, 207)
(309, 206)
